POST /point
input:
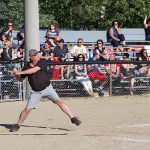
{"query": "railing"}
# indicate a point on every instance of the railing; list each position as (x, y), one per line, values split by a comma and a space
(12, 90)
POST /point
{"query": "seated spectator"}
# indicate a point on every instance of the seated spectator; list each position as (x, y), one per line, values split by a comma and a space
(8, 53)
(56, 68)
(101, 50)
(127, 72)
(53, 34)
(144, 68)
(46, 52)
(64, 68)
(78, 49)
(3, 38)
(147, 28)
(115, 68)
(81, 75)
(115, 35)
(20, 35)
(8, 30)
(95, 73)
(61, 49)
(21, 53)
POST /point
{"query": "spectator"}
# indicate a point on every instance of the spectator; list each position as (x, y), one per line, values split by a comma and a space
(3, 38)
(21, 53)
(127, 72)
(81, 75)
(46, 51)
(78, 49)
(101, 50)
(61, 49)
(147, 28)
(115, 68)
(20, 35)
(8, 53)
(53, 34)
(95, 73)
(8, 30)
(56, 68)
(115, 35)
(144, 68)
(64, 68)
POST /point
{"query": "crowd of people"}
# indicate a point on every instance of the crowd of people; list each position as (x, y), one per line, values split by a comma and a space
(55, 50)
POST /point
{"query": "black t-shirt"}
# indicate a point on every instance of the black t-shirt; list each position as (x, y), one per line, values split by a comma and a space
(39, 80)
(6, 56)
(58, 51)
(46, 52)
(147, 31)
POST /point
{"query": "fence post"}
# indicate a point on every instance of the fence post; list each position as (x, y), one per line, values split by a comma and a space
(110, 82)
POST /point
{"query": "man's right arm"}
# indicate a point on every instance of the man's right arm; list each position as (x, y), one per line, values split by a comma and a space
(145, 24)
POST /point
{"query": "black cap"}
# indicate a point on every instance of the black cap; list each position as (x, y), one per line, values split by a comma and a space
(61, 41)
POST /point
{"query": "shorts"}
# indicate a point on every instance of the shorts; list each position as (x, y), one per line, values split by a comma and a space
(97, 75)
(35, 96)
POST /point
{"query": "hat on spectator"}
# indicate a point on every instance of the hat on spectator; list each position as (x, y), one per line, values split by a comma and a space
(33, 52)
(95, 53)
(62, 56)
(61, 41)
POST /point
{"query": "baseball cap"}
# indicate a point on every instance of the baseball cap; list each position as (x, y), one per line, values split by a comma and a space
(95, 53)
(33, 52)
(61, 40)
(62, 56)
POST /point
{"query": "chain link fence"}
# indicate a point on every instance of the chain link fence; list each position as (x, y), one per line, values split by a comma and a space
(70, 86)
(10, 88)
(135, 84)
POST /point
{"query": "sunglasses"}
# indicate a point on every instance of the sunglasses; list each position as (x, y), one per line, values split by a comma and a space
(9, 25)
(79, 42)
(99, 43)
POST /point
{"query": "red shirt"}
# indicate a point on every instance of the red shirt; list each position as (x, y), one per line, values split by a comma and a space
(114, 67)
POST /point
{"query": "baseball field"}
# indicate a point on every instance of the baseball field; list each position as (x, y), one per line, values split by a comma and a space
(108, 123)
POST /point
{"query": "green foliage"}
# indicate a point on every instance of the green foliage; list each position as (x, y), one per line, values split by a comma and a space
(79, 14)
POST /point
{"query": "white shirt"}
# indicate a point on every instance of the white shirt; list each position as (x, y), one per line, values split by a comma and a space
(78, 50)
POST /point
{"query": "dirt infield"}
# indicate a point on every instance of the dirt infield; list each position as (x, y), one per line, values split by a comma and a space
(109, 123)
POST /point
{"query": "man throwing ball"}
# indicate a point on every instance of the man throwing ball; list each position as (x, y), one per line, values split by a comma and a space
(36, 71)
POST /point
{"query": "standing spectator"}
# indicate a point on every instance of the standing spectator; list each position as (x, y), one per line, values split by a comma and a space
(8, 30)
(95, 73)
(144, 68)
(147, 28)
(115, 35)
(127, 72)
(8, 53)
(78, 49)
(101, 50)
(81, 74)
(53, 34)
(61, 49)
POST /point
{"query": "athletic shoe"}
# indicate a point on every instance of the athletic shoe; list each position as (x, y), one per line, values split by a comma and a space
(15, 128)
(76, 121)
(101, 90)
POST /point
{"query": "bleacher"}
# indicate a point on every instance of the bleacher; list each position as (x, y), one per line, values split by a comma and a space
(135, 38)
